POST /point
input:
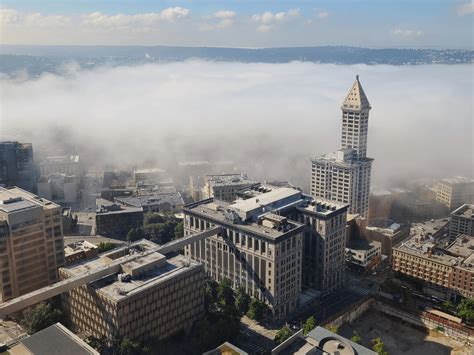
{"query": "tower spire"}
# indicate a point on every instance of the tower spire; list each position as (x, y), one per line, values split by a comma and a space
(356, 98)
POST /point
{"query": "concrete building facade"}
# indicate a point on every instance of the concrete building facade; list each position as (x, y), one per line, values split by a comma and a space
(455, 191)
(344, 176)
(67, 165)
(17, 166)
(152, 296)
(462, 222)
(259, 251)
(31, 242)
(114, 220)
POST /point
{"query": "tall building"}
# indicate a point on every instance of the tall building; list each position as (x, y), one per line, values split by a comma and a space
(260, 250)
(141, 295)
(16, 165)
(64, 164)
(277, 243)
(462, 222)
(455, 191)
(31, 242)
(344, 176)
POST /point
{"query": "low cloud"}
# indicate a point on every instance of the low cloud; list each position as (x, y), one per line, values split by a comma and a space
(268, 20)
(31, 20)
(322, 14)
(267, 118)
(218, 20)
(406, 32)
(465, 8)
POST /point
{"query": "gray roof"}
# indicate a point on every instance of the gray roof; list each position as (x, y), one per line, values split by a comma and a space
(173, 199)
(323, 336)
(57, 340)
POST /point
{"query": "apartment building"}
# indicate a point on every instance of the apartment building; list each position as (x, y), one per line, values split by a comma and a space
(344, 175)
(462, 280)
(31, 242)
(462, 222)
(455, 191)
(149, 296)
(16, 165)
(225, 187)
(260, 250)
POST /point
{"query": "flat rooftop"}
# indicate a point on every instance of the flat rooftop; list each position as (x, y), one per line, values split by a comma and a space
(172, 198)
(216, 211)
(323, 207)
(363, 245)
(466, 211)
(457, 180)
(15, 199)
(228, 179)
(60, 159)
(428, 228)
(265, 199)
(153, 268)
(462, 246)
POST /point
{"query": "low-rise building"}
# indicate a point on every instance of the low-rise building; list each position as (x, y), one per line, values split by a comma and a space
(225, 187)
(114, 220)
(365, 254)
(148, 296)
(53, 340)
(320, 341)
(31, 242)
(79, 251)
(448, 270)
(155, 202)
(67, 165)
(462, 222)
(455, 191)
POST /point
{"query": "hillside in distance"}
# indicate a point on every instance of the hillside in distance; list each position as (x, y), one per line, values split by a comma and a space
(39, 59)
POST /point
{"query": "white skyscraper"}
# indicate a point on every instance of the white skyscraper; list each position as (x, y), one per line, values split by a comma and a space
(344, 175)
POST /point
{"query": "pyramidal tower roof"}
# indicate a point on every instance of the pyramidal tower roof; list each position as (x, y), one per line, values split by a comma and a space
(356, 99)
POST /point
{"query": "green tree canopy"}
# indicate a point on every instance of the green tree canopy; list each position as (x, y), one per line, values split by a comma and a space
(225, 292)
(379, 346)
(309, 325)
(39, 317)
(466, 310)
(257, 310)
(356, 338)
(283, 334)
(242, 301)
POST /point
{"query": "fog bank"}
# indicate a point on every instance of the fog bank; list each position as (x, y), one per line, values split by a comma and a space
(268, 118)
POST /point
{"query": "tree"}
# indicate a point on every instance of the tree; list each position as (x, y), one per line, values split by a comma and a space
(242, 301)
(283, 334)
(135, 234)
(179, 230)
(356, 338)
(332, 328)
(309, 325)
(128, 347)
(257, 310)
(105, 246)
(225, 292)
(39, 317)
(466, 310)
(379, 346)
(99, 344)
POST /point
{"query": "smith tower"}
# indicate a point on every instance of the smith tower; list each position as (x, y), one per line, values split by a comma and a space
(344, 176)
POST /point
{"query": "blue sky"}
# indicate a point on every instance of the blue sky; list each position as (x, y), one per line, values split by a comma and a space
(244, 23)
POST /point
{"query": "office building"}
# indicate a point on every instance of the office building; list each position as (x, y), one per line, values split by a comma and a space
(364, 254)
(142, 295)
(455, 191)
(17, 166)
(344, 176)
(31, 242)
(324, 244)
(260, 250)
(114, 220)
(65, 164)
(225, 187)
(462, 280)
(462, 222)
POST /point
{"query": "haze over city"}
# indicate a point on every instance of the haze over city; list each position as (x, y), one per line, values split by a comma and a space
(236, 177)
